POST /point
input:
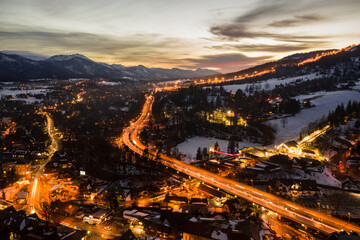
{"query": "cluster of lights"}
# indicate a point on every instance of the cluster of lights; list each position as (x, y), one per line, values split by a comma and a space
(319, 56)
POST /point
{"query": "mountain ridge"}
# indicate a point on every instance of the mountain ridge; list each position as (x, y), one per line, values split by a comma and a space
(14, 67)
(26, 54)
(320, 60)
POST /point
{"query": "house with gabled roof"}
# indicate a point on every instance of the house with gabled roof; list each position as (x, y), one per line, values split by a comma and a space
(294, 188)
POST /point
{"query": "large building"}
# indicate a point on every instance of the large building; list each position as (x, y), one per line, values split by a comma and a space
(20, 167)
(224, 117)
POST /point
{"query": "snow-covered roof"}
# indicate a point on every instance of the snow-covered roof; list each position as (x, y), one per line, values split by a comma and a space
(219, 235)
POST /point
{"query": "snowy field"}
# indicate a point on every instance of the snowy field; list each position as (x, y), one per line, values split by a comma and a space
(310, 96)
(109, 83)
(271, 83)
(190, 146)
(28, 100)
(7, 92)
(325, 103)
(168, 82)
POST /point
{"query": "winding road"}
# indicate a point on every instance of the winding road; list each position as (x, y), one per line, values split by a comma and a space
(35, 200)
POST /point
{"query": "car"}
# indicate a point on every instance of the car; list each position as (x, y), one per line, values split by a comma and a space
(65, 224)
(107, 228)
(80, 216)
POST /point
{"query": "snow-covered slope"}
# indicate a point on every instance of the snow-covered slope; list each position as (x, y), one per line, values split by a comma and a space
(66, 57)
(26, 54)
(327, 101)
(273, 82)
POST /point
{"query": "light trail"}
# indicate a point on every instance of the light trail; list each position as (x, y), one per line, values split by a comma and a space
(33, 193)
(310, 138)
(316, 220)
(54, 146)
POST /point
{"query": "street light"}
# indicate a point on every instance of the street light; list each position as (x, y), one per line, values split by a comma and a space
(349, 214)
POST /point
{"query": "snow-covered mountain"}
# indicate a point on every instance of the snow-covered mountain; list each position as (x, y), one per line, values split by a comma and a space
(324, 61)
(60, 58)
(26, 54)
(15, 67)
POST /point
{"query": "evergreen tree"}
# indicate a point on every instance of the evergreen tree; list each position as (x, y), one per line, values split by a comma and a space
(237, 145)
(231, 146)
(218, 101)
(216, 147)
(205, 152)
(146, 153)
(357, 124)
(199, 154)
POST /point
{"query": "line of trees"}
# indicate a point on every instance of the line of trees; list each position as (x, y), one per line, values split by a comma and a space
(342, 113)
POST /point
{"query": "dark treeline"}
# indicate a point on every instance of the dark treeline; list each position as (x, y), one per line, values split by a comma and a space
(308, 86)
(342, 113)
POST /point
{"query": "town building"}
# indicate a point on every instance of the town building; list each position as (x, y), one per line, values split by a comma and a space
(293, 188)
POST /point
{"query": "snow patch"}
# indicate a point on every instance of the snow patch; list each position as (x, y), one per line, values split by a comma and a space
(109, 83)
(7, 92)
(22, 225)
(190, 146)
(271, 83)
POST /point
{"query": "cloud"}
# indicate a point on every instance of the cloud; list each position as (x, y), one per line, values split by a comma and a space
(265, 9)
(254, 24)
(280, 27)
(228, 62)
(282, 48)
(236, 31)
(297, 20)
(88, 41)
(240, 31)
(149, 48)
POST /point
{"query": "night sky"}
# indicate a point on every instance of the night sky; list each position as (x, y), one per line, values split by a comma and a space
(224, 35)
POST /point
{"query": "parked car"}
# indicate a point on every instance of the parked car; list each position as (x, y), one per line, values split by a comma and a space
(80, 216)
(107, 228)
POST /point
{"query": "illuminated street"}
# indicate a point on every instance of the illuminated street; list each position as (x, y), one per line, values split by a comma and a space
(311, 218)
(35, 195)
